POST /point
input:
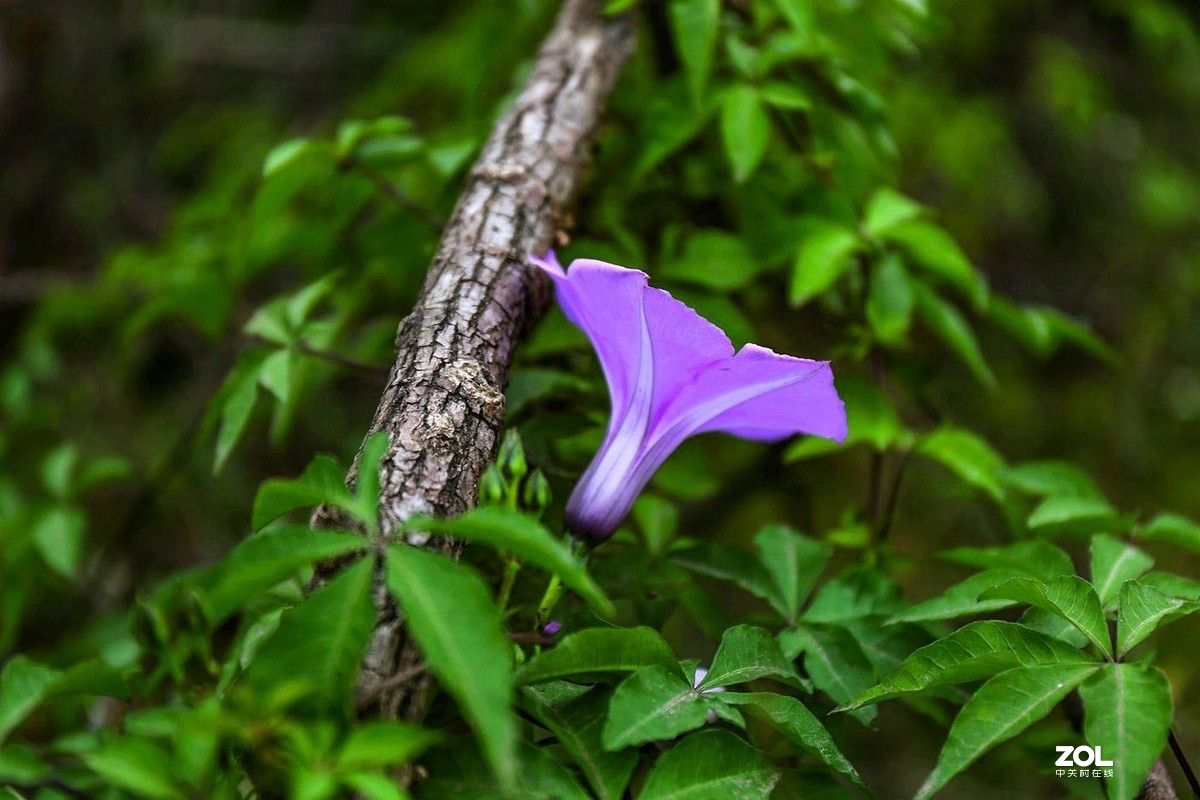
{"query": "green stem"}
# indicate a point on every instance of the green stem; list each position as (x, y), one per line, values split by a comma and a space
(550, 599)
(511, 567)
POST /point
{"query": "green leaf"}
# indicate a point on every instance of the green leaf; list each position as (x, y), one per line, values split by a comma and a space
(458, 772)
(836, 663)
(1114, 562)
(525, 538)
(824, 256)
(658, 520)
(1046, 478)
(1069, 596)
(23, 684)
(1142, 609)
(450, 613)
(323, 481)
(1036, 558)
(1070, 514)
(320, 642)
(1002, 708)
(870, 416)
(694, 26)
(961, 599)
(729, 563)
(1127, 710)
(373, 786)
(711, 765)
(966, 455)
(890, 301)
(239, 400)
(787, 96)
(748, 653)
(888, 208)
(577, 724)
(366, 491)
(596, 652)
(138, 765)
(935, 250)
(714, 259)
(745, 130)
(794, 563)
(58, 537)
(653, 704)
(1172, 585)
(383, 743)
(267, 559)
(1172, 529)
(790, 717)
(948, 323)
(284, 154)
(973, 652)
(58, 471)
(856, 593)
(275, 374)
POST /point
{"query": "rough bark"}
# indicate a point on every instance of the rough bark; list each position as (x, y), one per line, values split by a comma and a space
(1158, 785)
(443, 405)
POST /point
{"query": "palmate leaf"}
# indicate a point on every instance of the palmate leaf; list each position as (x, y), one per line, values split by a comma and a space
(1069, 596)
(794, 563)
(577, 723)
(451, 615)
(1003, 707)
(789, 716)
(598, 653)
(748, 653)
(711, 765)
(835, 662)
(1142, 609)
(653, 704)
(729, 563)
(1036, 558)
(937, 253)
(1127, 711)
(24, 684)
(323, 481)
(1060, 514)
(973, 652)
(1113, 563)
(525, 538)
(962, 599)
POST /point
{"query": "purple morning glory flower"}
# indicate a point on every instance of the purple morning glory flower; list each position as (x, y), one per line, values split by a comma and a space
(672, 374)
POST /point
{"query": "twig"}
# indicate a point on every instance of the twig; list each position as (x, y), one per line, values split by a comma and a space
(401, 197)
(1184, 765)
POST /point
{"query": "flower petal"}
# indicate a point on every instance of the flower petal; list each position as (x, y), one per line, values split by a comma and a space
(759, 394)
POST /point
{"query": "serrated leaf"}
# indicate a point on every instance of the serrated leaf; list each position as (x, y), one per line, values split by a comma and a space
(748, 653)
(267, 559)
(383, 743)
(528, 540)
(653, 704)
(835, 662)
(694, 26)
(948, 324)
(966, 455)
(711, 765)
(789, 716)
(823, 256)
(1127, 710)
(887, 208)
(1173, 529)
(599, 652)
(745, 130)
(464, 644)
(1002, 708)
(1142, 609)
(973, 652)
(794, 563)
(936, 251)
(890, 301)
(1069, 596)
(1114, 562)
(577, 724)
(320, 642)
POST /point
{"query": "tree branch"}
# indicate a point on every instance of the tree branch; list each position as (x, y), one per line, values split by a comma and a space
(443, 405)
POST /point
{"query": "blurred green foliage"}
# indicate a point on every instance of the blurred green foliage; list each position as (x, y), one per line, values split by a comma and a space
(985, 214)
